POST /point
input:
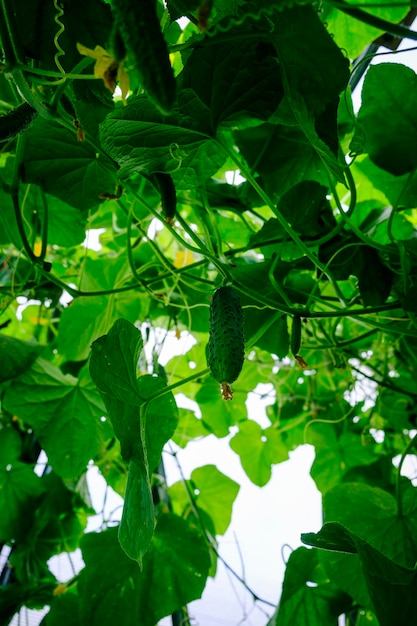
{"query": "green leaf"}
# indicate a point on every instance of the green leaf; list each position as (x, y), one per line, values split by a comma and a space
(392, 588)
(143, 426)
(372, 178)
(66, 224)
(258, 450)
(16, 356)
(268, 330)
(345, 571)
(178, 8)
(89, 317)
(244, 99)
(373, 515)
(189, 428)
(183, 143)
(13, 596)
(306, 599)
(336, 455)
(11, 599)
(389, 99)
(10, 444)
(64, 610)
(65, 413)
(20, 488)
(74, 172)
(352, 34)
(375, 278)
(282, 155)
(212, 492)
(93, 29)
(216, 414)
(319, 78)
(174, 572)
(324, 144)
(307, 209)
(57, 525)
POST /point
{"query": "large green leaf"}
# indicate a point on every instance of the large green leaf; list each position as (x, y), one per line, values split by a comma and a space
(174, 572)
(143, 425)
(93, 29)
(189, 428)
(88, 317)
(65, 413)
(64, 610)
(392, 587)
(57, 526)
(258, 449)
(211, 491)
(345, 570)
(307, 209)
(16, 356)
(66, 224)
(389, 99)
(373, 515)
(282, 156)
(319, 77)
(141, 139)
(307, 598)
(354, 35)
(75, 172)
(252, 94)
(335, 455)
(20, 488)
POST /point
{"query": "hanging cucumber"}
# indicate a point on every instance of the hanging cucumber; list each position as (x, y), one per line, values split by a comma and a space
(16, 121)
(137, 24)
(226, 347)
(295, 343)
(166, 188)
(296, 335)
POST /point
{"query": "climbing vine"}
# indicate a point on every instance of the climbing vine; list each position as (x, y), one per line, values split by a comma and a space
(259, 168)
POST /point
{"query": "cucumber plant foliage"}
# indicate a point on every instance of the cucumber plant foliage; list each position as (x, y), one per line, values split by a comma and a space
(257, 216)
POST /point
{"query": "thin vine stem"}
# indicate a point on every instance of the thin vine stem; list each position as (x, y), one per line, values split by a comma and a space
(383, 383)
(283, 222)
(74, 75)
(211, 541)
(200, 248)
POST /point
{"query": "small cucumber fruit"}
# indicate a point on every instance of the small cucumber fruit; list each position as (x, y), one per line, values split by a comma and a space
(226, 346)
(16, 121)
(295, 343)
(137, 23)
(166, 188)
(296, 335)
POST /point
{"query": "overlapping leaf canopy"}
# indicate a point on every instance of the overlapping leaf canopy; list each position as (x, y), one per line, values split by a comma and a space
(302, 201)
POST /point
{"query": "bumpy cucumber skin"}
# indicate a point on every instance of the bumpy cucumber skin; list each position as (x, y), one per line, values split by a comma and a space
(16, 121)
(138, 25)
(226, 347)
(296, 335)
(166, 188)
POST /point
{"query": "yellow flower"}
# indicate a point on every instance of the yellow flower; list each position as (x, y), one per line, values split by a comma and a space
(108, 69)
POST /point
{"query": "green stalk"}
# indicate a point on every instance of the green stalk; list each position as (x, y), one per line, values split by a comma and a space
(181, 382)
(44, 227)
